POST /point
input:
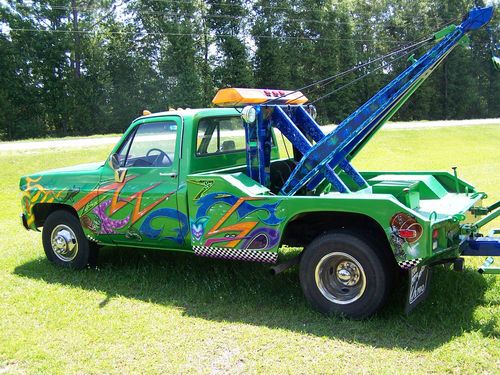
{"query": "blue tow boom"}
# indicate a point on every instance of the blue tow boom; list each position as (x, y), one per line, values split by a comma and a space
(333, 152)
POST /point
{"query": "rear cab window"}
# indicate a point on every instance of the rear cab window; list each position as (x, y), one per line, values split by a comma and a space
(219, 135)
(220, 143)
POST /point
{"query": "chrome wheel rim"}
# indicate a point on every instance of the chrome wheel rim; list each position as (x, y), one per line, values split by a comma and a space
(64, 243)
(340, 278)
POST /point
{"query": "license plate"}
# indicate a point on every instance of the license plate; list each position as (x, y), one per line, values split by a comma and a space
(418, 286)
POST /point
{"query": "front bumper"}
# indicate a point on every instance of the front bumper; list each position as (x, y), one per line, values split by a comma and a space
(24, 221)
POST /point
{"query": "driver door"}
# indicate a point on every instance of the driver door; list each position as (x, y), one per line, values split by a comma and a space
(140, 207)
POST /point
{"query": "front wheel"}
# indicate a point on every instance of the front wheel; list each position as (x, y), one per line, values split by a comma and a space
(340, 272)
(65, 243)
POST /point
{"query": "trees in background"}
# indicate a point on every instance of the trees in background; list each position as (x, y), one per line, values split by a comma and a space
(71, 67)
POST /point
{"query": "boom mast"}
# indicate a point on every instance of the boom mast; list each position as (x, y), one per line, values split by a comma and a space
(333, 149)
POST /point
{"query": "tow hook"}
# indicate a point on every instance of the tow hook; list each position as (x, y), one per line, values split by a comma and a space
(479, 211)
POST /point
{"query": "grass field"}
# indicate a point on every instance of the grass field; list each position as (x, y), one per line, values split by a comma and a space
(145, 311)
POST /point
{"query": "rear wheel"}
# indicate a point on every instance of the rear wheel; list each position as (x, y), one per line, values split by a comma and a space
(340, 272)
(65, 243)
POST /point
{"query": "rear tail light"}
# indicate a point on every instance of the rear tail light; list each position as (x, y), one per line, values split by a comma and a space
(435, 234)
(407, 233)
(406, 227)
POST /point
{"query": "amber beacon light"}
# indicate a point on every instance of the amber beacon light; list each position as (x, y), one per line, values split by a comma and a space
(234, 97)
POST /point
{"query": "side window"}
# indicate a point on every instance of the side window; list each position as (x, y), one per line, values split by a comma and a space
(151, 145)
(218, 135)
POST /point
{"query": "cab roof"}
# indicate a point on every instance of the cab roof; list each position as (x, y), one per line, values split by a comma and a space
(189, 112)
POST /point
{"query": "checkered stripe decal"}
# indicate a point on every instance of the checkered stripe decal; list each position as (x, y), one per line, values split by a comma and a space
(238, 254)
(90, 238)
(407, 264)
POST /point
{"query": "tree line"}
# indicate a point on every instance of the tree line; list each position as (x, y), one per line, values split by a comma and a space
(79, 67)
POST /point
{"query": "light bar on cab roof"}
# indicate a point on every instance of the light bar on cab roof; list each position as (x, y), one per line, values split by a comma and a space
(232, 97)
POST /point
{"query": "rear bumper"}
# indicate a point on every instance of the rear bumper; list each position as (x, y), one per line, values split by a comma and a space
(443, 256)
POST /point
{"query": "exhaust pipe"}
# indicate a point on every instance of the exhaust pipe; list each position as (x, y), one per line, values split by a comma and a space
(285, 265)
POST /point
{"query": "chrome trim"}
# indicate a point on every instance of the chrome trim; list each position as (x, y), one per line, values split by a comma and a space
(340, 278)
(64, 243)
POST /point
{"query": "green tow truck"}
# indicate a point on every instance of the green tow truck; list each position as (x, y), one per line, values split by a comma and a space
(211, 182)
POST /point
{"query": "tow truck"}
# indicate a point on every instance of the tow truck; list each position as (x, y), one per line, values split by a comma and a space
(211, 182)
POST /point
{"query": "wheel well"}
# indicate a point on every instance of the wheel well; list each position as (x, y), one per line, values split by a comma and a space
(43, 210)
(303, 228)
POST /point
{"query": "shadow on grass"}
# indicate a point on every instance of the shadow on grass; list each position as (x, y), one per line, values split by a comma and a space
(246, 292)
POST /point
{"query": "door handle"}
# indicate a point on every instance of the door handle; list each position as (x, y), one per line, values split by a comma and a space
(171, 174)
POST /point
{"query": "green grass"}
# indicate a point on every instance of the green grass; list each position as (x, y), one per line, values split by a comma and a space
(146, 311)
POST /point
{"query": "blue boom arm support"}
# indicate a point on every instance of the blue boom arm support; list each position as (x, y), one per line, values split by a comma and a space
(320, 160)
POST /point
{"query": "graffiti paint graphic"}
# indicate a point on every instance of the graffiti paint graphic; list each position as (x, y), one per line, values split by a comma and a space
(98, 217)
(206, 186)
(404, 234)
(133, 234)
(262, 238)
(242, 206)
(108, 225)
(181, 228)
(91, 222)
(243, 234)
(37, 193)
(101, 222)
(198, 227)
(70, 194)
(397, 243)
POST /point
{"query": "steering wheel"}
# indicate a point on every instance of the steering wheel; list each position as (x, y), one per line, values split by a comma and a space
(162, 154)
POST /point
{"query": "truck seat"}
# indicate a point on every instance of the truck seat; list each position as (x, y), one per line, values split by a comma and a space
(228, 146)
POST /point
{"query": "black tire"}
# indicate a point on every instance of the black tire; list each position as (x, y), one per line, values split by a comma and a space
(332, 270)
(65, 229)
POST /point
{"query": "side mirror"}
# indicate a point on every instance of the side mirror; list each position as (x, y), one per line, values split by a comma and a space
(114, 162)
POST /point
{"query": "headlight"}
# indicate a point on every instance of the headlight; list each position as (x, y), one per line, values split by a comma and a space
(248, 114)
